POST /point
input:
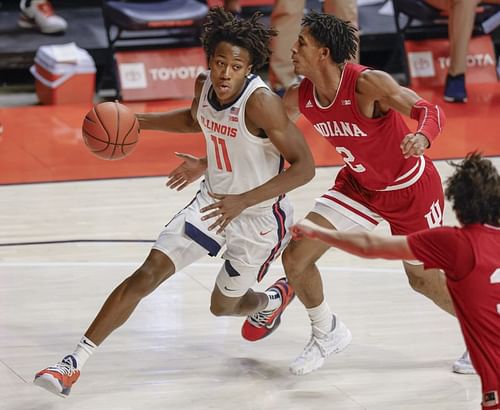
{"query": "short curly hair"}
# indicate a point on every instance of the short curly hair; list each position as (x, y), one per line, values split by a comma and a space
(338, 35)
(474, 191)
(249, 34)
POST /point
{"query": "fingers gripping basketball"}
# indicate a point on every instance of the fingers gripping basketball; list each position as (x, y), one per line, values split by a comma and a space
(110, 130)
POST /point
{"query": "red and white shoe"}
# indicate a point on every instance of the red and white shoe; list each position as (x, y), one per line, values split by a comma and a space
(40, 15)
(263, 323)
(59, 379)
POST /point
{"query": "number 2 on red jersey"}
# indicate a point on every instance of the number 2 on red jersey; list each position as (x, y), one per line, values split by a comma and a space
(349, 159)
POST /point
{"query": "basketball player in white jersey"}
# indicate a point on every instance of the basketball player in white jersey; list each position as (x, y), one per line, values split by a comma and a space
(240, 205)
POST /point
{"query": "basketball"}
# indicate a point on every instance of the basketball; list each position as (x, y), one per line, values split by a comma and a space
(110, 130)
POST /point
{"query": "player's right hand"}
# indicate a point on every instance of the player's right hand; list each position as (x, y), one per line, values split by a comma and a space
(225, 209)
(189, 171)
(414, 145)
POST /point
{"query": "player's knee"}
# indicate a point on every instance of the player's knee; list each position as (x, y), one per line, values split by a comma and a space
(417, 283)
(150, 275)
(143, 281)
(218, 309)
(293, 265)
(221, 305)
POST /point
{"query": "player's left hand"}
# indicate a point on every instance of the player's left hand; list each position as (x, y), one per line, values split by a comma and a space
(414, 145)
(225, 209)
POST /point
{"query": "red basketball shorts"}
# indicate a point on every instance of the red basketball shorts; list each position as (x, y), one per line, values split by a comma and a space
(348, 206)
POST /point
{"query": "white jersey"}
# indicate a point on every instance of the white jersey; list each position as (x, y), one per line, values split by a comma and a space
(238, 161)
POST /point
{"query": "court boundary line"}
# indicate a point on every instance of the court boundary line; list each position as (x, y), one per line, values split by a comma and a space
(57, 264)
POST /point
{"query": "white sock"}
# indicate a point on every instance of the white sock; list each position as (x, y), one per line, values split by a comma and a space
(83, 351)
(274, 299)
(322, 319)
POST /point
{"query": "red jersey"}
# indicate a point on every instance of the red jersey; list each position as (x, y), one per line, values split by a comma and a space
(470, 257)
(369, 147)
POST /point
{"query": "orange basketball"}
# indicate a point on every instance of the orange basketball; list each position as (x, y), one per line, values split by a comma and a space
(110, 130)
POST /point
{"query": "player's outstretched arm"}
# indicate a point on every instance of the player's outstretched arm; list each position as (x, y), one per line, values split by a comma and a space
(364, 244)
(381, 87)
(183, 120)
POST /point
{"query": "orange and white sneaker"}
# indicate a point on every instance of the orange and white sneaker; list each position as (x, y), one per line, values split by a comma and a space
(263, 323)
(40, 15)
(59, 378)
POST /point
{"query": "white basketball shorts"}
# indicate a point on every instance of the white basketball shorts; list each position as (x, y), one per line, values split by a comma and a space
(252, 241)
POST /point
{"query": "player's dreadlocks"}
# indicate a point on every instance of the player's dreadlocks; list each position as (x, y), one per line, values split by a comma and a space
(337, 35)
(474, 190)
(249, 34)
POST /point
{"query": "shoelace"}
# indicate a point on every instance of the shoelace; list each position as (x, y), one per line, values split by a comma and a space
(314, 341)
(309, 346)
(260, 319)
(63, 368)
(465, 359)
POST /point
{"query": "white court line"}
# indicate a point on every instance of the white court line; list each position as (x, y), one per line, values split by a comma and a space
(194, 265)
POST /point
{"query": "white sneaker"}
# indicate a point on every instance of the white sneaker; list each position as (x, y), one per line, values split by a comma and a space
(319, 348)
(464, 365)
(40, 15)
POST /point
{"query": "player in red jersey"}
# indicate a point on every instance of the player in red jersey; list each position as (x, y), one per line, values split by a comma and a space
(470, 257)
(359, 111)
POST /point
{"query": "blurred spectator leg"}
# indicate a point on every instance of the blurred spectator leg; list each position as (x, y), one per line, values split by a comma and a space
(346, 10)
(460, 25)
(233, 6)
(285, 18)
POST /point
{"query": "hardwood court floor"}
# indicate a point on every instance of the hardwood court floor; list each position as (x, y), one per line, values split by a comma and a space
(172, 353)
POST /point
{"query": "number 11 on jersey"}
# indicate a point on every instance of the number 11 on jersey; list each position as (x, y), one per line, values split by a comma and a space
(220, 148)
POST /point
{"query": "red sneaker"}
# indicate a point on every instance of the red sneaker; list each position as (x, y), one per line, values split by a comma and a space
(59, 378)
(263, 323)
